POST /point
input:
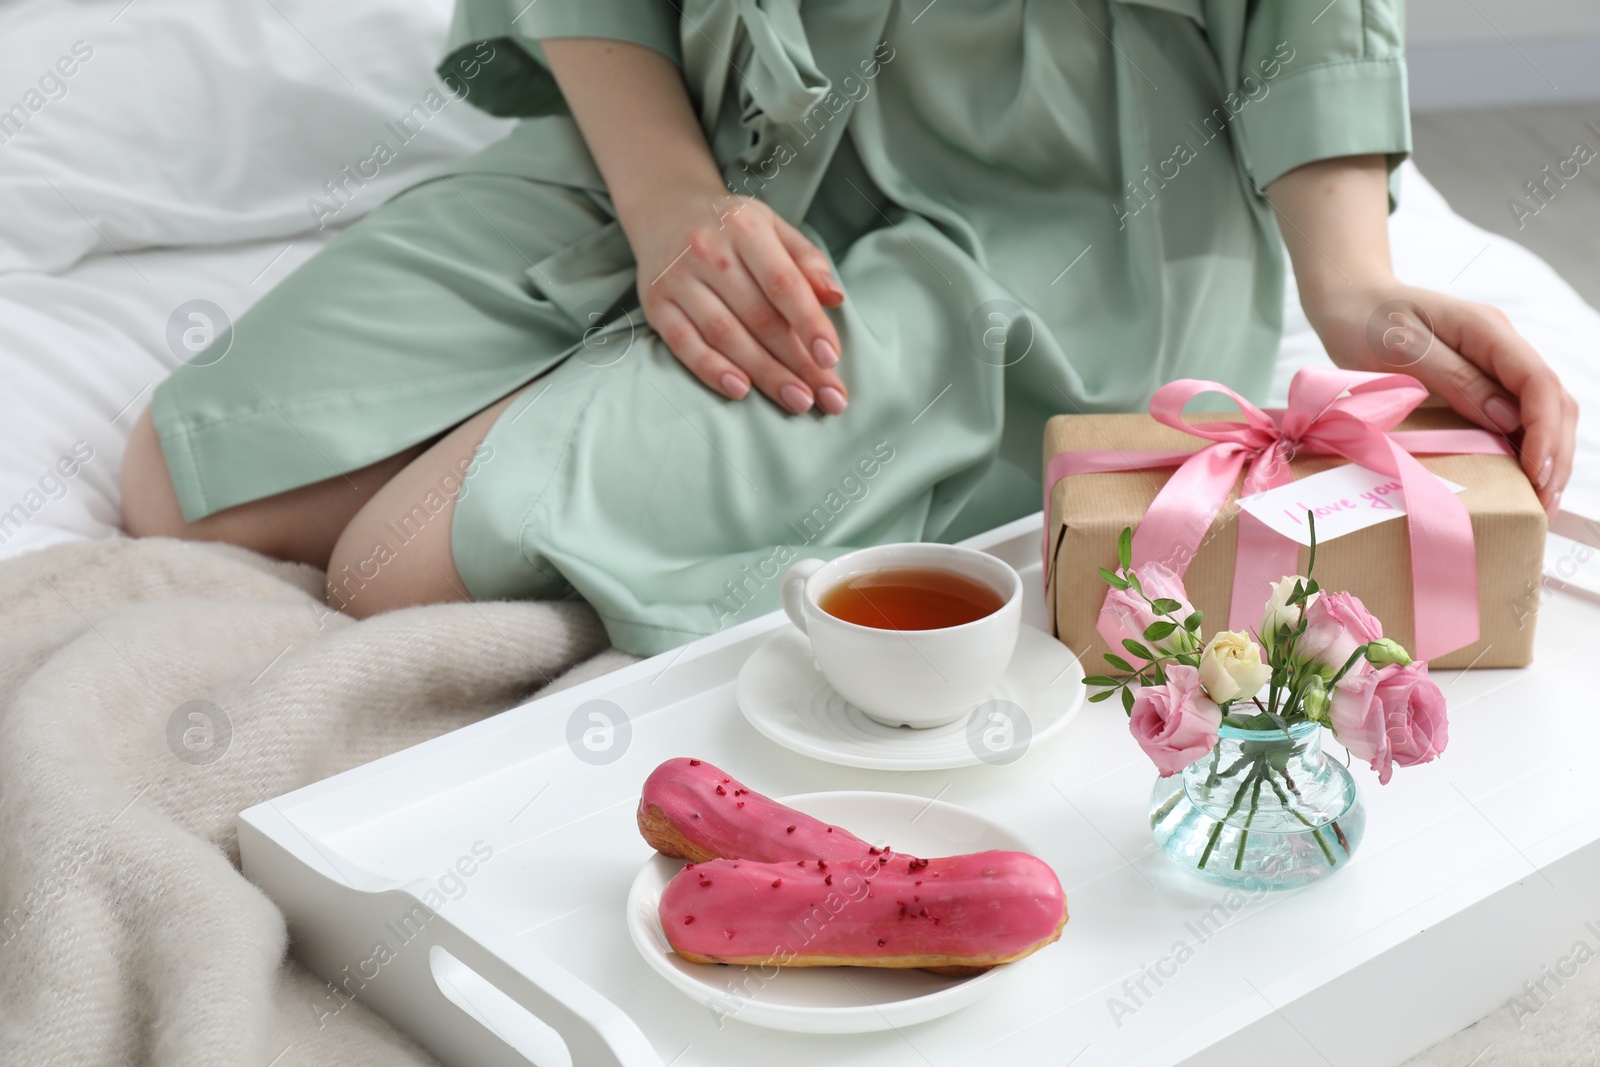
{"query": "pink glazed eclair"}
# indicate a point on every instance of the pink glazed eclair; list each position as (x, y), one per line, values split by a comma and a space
(953, 915)
(693, 811)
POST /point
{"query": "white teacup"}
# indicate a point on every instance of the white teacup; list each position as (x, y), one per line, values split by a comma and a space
(917, 678)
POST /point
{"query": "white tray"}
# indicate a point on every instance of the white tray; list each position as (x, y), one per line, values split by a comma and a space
(1477, 872)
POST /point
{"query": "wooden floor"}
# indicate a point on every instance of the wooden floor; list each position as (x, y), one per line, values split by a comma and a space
(1481, 159)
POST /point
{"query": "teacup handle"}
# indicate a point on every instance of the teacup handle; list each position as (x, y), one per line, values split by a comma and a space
(792, 591)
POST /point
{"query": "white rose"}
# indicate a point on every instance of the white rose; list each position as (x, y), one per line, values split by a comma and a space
(1231, 667)
(1278, 612)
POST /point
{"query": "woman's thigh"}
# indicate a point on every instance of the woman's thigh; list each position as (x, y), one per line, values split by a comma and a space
(396, 550)
(301, 524)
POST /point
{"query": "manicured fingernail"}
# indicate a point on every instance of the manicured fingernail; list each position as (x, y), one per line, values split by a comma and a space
(795, 398)
(1555, 503)
(1542, 478)
(831, 284)
(831, 400)
(734, 386)
(1502, 413)
(826, 354)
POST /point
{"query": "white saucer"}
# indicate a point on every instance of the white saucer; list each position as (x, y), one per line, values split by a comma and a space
(833, 1000)
(784, 696)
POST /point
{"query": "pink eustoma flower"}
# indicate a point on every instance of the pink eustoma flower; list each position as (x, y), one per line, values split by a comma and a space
(1336, 625)
(1175, 723)
(1393, 715)
(1126, 615)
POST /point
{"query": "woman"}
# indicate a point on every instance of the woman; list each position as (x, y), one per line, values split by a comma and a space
(915, 230)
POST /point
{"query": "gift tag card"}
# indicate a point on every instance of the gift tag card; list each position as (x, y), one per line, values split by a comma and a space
(1344, 499)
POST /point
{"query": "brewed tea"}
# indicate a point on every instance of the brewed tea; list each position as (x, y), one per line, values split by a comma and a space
(910, 598)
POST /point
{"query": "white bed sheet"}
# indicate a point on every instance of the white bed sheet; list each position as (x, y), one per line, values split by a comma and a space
(79, 355)
(205, 127)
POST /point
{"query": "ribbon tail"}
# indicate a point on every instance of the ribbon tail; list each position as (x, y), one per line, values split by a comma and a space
(1444, 561)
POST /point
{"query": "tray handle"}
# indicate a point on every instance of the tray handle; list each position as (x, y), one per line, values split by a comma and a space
(1585, 531)
(533, 1005)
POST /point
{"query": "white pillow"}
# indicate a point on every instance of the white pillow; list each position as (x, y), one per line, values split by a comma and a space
(129, 125)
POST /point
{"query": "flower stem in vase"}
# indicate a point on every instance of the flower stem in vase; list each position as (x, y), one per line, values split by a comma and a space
(1238, 798)
(1316, 834)
(1344, 842)
(1255, 803)
(1166, 809)
(1235, 767)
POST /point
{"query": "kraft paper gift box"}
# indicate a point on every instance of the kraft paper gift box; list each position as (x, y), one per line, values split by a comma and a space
(1086, 512)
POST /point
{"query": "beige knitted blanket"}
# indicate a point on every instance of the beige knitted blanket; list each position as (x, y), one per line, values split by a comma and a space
(151, 690)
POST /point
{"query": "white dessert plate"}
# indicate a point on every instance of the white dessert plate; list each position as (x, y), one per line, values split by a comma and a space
(833, 1000)
(785, 696)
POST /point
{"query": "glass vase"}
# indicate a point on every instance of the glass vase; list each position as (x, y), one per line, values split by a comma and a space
(1265, 810)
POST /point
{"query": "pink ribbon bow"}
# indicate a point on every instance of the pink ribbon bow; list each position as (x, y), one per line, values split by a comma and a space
(1330, 412)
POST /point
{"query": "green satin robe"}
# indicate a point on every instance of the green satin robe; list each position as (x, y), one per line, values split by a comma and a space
(1033, 208)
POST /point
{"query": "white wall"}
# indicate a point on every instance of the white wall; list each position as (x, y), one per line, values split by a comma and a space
(1438, 22)
(1478, 53)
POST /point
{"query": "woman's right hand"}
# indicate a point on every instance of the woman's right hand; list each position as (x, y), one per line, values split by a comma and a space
(737, 295)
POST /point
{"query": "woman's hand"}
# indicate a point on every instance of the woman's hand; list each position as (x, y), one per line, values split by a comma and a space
(1466, 353)
(737, 294)
(1334, 218)
(735, 291)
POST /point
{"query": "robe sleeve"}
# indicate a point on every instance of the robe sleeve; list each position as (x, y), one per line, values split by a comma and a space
(494, 60)
(1334, 78)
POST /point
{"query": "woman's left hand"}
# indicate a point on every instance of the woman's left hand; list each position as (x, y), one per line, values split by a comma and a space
(1334, 220)
(1468, 354)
